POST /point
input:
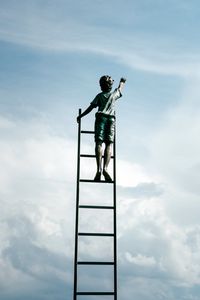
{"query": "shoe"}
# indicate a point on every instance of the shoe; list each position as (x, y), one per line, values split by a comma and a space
(107, 176)
(97, 176)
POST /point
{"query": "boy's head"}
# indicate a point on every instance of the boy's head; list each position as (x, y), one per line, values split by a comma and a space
(106, 83)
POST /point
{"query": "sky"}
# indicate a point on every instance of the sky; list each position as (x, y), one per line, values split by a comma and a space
(52, 56)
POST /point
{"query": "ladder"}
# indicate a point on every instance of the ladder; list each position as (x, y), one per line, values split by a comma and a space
(79, 234)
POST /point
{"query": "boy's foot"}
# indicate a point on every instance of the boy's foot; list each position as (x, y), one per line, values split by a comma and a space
(107, 176)
(97, 176)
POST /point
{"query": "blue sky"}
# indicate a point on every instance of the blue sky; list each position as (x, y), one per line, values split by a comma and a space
(52, 56)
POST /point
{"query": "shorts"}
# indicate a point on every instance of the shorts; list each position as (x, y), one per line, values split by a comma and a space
(104, 128)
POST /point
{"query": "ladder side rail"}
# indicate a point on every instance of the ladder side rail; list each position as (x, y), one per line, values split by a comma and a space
(115, 218)
(77, 210)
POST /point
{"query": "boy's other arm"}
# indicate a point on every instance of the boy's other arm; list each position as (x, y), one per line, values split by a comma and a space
(121, 83)
(87, 111)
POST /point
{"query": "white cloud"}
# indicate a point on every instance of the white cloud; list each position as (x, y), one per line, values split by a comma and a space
(38, 201)
(37, 171)
(5, 123)
(140, 260)
(131, 175)
(44, 30)
(164, 231)
(175, 147)
(153, 240)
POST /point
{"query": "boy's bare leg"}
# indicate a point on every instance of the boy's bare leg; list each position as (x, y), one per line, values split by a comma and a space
(99, 154)
(107, 157)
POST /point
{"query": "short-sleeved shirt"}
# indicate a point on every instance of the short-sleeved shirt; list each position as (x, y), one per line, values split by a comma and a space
(106, 102)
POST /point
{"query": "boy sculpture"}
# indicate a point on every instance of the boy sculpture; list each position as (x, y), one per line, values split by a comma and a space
(104, 123)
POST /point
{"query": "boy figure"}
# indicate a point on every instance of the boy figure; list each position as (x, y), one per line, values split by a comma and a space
(104, 123)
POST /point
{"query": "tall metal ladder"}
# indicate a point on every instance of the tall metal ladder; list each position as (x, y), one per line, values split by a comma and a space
(79, 234)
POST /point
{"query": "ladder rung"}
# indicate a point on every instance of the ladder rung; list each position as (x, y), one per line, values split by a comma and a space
(95, 293)
(87, 131)
(96, 206)
(95, 234)
(95, 263)
(92, 181)
(92, 155)
(87, 155)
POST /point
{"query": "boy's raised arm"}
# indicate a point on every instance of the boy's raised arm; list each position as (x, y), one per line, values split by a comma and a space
(121, 83)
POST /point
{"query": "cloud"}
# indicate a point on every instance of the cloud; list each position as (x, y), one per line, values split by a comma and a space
(140, 260)
(142, 190)
(42, 29)
(5, 123)
(36, 197)
(161, 232)
(30, 267)
(175, 146)
(133, 174)
(154, 241)
(37, 221)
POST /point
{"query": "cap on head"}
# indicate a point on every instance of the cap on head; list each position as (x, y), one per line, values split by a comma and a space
(106, 83)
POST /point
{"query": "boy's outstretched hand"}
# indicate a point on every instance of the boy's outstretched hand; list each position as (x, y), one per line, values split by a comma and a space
(121, 83)
(123, 80)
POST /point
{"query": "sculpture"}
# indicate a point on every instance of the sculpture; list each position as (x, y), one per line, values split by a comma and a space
(104, 123)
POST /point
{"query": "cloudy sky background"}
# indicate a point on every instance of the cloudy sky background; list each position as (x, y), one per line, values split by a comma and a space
(52, 55)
